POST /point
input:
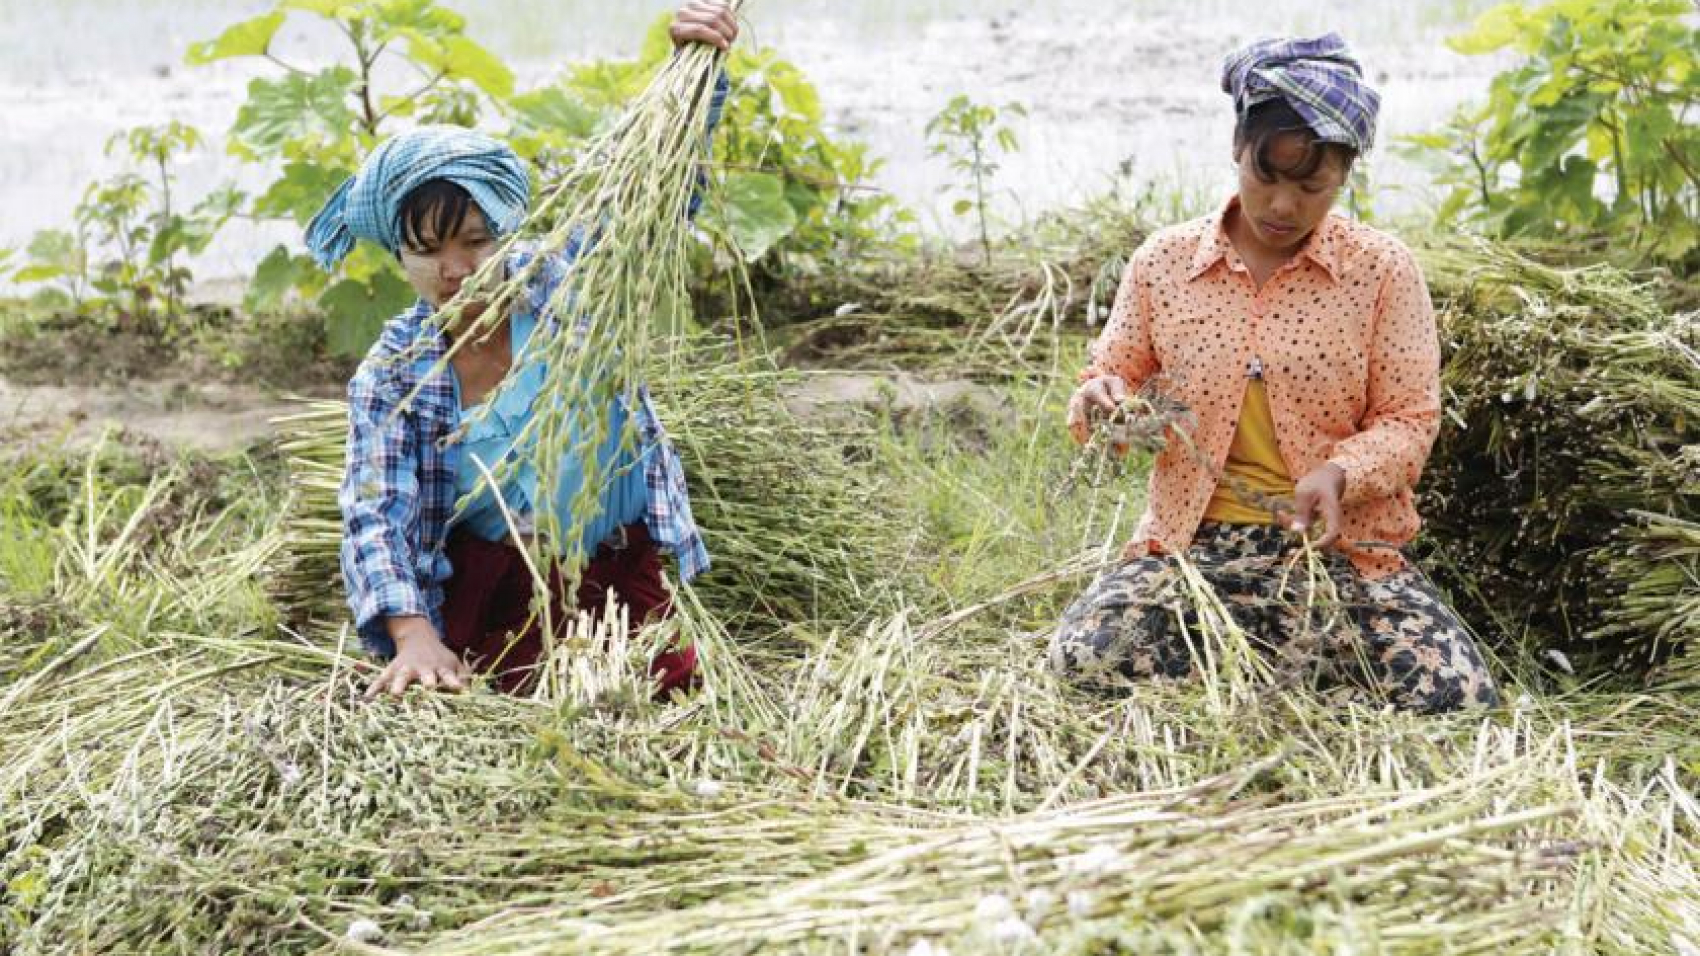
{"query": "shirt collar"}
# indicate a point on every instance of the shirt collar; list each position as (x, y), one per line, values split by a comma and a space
(1322, 248)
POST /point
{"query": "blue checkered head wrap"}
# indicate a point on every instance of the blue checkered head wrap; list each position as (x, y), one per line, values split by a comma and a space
(368, 205)
(1319, 79)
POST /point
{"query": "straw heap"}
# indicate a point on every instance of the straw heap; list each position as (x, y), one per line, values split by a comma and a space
(1565, 489)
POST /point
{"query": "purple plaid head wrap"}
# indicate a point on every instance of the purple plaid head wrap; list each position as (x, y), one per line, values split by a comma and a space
(1317, 76)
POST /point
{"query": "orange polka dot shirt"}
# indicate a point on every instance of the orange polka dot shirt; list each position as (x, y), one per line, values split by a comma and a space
(1350, 353)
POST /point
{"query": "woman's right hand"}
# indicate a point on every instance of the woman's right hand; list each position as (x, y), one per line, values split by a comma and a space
(421, 658)
(1096, 398)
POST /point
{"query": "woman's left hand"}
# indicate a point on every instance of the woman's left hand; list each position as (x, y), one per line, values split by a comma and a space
(705, 21)
(1318, 495)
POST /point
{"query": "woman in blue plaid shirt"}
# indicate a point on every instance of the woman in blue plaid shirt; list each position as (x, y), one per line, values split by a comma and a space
(439, 592)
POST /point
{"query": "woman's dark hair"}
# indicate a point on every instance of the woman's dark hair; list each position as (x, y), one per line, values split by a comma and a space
(1260, 125)
(435, 208)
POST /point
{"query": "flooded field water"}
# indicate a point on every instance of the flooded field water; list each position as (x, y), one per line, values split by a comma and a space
(1113, 87)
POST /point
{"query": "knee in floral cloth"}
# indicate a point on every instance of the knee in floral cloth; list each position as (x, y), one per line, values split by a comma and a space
(1121, 627)
(1417, 654)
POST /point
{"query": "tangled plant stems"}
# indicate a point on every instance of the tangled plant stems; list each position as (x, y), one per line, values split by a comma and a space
(620, 222)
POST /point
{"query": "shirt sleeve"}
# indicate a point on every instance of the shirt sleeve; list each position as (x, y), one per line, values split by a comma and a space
(1124, 348)
(1402, 413)
(380, 502)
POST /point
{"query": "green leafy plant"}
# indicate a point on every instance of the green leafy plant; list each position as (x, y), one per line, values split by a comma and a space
(970, 134)
(127, 258)
(790, 196)
(319, 124)
(1593, 132)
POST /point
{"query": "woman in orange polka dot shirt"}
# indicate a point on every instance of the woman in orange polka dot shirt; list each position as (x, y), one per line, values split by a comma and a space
(1304, 345)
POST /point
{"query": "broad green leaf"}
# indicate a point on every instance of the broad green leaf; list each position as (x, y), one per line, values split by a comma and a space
(450, 104)
(1554, 132)
(248, 38)
(756, 213)
(1573, 189)
(1428, 140)
(345, 10)
(424, 16)
(554, 110)
(54, 250)
(607, 85)
(657, 40)
(355, 311)
(1495, 29)
(40, 272)
(295, 114)
(962, 207)
(278, 274)
(51, 300)
(468, 61)
(300, 192)
(457, 58)
(803, 197)
(1677, 236)
(799, 95)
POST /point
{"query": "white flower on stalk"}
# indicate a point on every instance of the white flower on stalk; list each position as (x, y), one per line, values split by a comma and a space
(1101, 859)
(926, 947)
(708, 789)
(1013, 929)
(1079, 903)
(1039, 902)
(364, 931)
(290, 778)
(993, 907)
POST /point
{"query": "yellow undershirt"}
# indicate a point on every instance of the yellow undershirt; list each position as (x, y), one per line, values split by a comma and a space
(1254, 464)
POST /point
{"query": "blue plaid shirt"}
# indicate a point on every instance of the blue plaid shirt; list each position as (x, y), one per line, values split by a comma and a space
(398, 491)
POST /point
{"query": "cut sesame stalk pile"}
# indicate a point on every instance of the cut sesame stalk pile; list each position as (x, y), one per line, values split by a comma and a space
(1564, 493)
(177, 774)
(878, 759)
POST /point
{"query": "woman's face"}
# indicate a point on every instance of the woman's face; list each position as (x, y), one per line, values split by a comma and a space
(1282, 212)
(436, 267)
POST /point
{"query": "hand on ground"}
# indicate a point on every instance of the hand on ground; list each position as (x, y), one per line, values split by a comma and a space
(421, 658)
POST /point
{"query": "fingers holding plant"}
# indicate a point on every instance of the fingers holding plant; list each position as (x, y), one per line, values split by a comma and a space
(1094, 402)
(1318, 496)
(705, 21)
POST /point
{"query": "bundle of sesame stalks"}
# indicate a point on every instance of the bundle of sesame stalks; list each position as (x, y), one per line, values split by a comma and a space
(619, 223)
(1565, 487)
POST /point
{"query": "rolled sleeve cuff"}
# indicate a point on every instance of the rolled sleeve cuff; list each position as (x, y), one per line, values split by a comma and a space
(377, 605)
